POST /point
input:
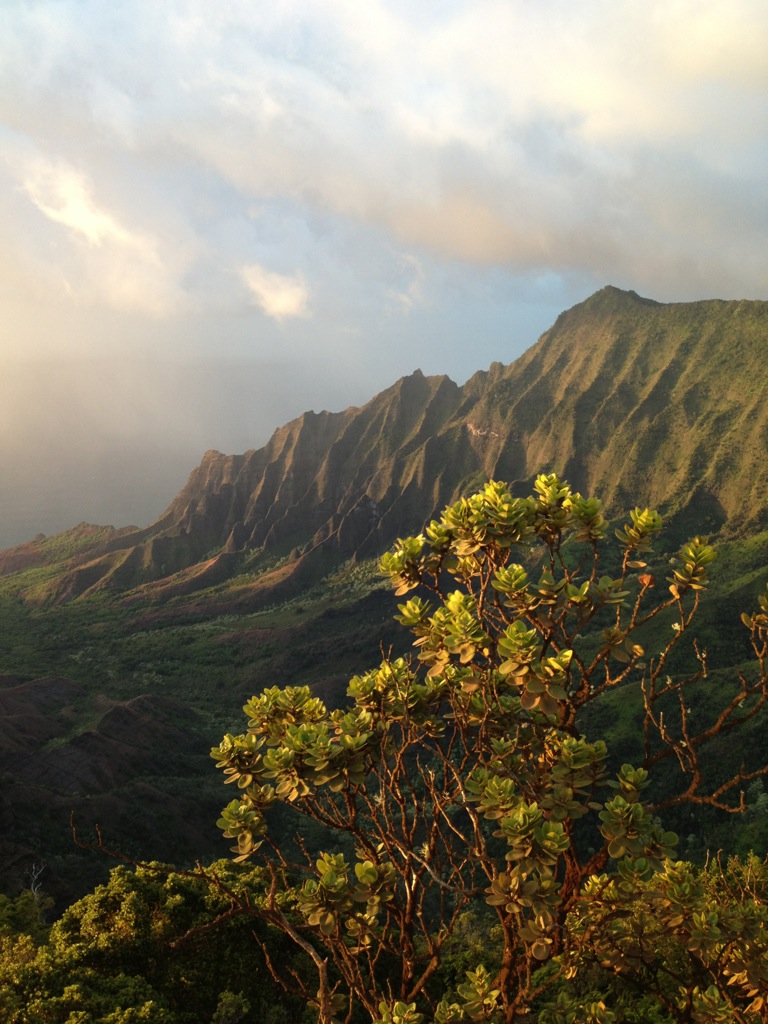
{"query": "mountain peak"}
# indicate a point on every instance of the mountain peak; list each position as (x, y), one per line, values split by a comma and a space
(618, 298)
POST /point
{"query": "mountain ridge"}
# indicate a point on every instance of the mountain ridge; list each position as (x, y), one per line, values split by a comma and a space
(632, 400)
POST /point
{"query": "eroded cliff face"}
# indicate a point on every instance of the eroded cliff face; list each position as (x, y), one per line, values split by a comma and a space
(631, 400)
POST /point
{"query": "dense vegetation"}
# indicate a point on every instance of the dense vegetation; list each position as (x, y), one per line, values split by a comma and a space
(466, 779)
(471, 847)
(151, 944)
(125, 744)
(203, 668)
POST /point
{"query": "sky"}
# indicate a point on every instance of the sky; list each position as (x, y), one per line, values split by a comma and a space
(217, 215)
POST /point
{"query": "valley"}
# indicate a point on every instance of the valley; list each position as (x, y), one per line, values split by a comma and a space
(126, 654)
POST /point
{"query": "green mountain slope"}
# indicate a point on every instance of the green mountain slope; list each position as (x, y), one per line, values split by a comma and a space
(637, 401)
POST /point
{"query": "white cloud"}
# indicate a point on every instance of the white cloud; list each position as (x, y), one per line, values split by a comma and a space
(64, 195)
(492, 133)
(625, 141)
(279, 296)
(90, 239)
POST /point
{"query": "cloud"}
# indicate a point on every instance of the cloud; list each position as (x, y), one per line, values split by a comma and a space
(492, 133)
(496, 134)
(90, 238)
(64, 195)
(411, 290)
(280, 296)
(386, 149)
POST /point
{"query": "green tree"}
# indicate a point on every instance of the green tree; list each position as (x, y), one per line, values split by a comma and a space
(463, 775)
(25, 914)
(691, 938)
(150, 945)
